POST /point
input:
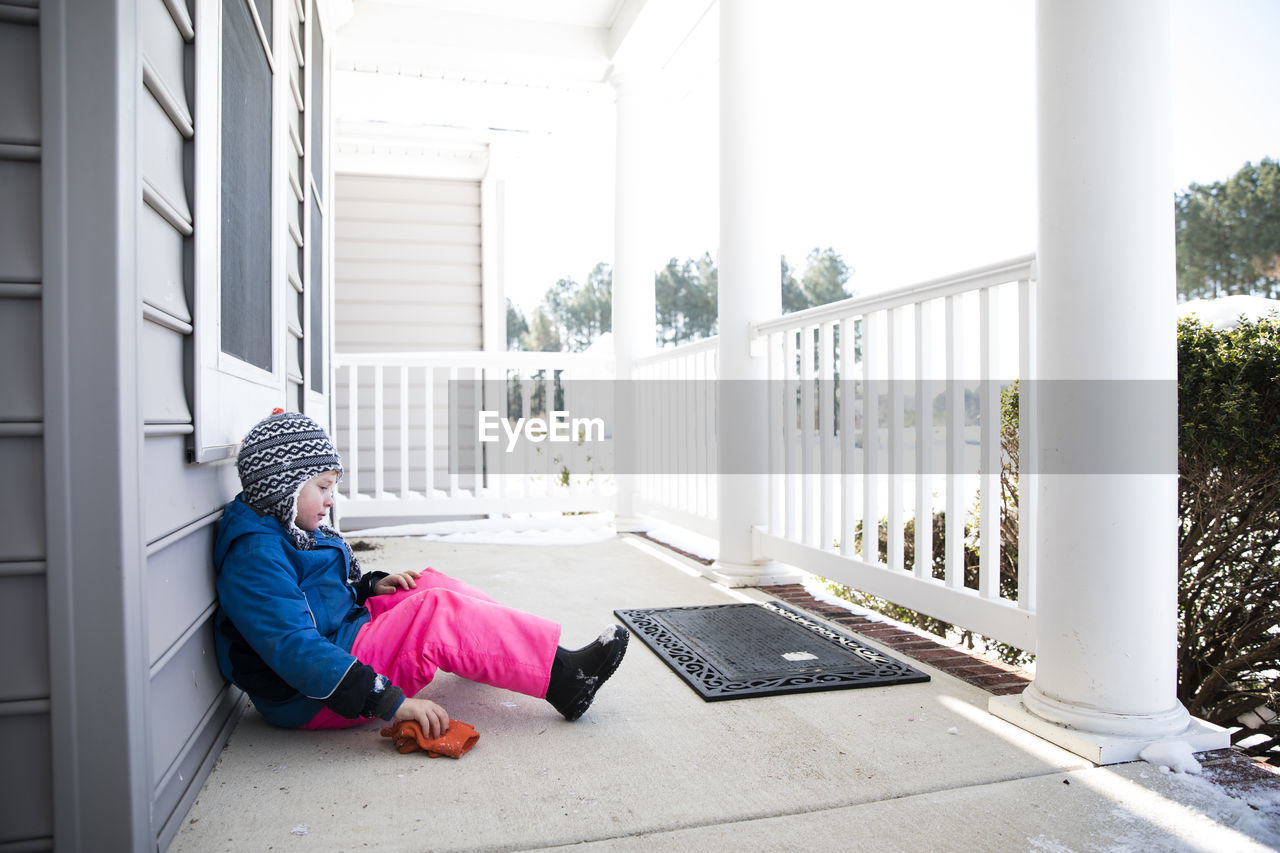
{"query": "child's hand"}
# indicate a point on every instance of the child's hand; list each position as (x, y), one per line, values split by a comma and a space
(400, 580)
(431, 717)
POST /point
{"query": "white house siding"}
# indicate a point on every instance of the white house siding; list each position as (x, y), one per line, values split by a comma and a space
(407, 264)
(26, 810)
(407, 278)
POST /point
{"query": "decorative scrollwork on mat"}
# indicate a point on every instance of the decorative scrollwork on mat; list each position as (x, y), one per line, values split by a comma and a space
(733, 651)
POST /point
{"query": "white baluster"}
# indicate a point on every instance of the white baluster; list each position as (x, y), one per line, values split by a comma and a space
(353, 424)
(923, 567)
(989, 482)
(826, 436)
(404, 431)
(1027, 484)
(429, 428)
(954, 561)
(872, 386)
(896, 422)
(848, 435)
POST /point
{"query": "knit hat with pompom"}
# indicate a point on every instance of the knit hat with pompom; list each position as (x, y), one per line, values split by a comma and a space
(277, 458)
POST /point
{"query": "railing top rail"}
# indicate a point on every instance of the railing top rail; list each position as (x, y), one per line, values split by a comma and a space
(677, 351)
(1015, 269)
(495, 360)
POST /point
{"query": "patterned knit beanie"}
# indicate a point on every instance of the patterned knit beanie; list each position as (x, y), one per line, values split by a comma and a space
(277, 458)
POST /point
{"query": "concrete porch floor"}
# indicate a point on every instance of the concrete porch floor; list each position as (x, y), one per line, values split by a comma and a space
(651, 766)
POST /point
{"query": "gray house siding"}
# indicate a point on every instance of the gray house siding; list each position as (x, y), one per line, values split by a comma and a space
(26, 774)
(107, 525)
(190, 707)
(189, 704)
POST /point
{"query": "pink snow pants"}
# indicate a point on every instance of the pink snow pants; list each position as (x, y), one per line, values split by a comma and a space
(446, 624)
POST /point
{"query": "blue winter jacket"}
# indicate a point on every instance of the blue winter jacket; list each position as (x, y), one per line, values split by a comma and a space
(287, 619)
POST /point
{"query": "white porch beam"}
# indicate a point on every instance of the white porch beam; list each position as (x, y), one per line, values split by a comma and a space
(749, 280)
(484, 109)
(648, 33)
(1106, 599)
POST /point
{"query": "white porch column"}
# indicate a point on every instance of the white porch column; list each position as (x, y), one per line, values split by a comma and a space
(634, 313)
(750, 280)
(1107, 405)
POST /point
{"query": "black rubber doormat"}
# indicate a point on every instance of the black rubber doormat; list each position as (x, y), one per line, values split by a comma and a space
(736, 651)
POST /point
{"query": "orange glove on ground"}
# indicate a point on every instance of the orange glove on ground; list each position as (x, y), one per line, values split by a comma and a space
(408, 737)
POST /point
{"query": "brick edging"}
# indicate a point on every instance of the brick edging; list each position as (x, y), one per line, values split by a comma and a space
(992, 676)
(702, 561)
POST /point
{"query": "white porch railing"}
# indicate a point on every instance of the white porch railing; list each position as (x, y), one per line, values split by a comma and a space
(677, 458)
(884, 415)
(406, 426)
(885, 412)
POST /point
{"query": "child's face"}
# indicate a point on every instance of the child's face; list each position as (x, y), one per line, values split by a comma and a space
(315, 499)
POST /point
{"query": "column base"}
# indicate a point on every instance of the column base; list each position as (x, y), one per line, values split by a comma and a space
(767, 573)
(1103, 748)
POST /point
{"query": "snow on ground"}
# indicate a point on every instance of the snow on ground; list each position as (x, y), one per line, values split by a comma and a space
(1254, 810)
(552, 529)
(1171, 755)
(817, 587)
(1225, 312)
(703, 547)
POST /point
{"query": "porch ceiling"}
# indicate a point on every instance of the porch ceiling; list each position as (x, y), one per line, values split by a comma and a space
(426, 76)
(496, 41)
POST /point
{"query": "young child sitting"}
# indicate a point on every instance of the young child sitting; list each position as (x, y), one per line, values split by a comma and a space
(317, 644)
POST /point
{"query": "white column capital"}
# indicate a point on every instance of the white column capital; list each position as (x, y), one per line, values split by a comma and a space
(632, 82)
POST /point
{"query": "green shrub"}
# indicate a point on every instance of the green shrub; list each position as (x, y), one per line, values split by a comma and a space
(1229, 510)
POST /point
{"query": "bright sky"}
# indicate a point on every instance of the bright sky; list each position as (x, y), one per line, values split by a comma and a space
(910, 128)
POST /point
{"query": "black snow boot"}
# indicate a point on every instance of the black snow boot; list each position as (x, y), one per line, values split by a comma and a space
(577, 674)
